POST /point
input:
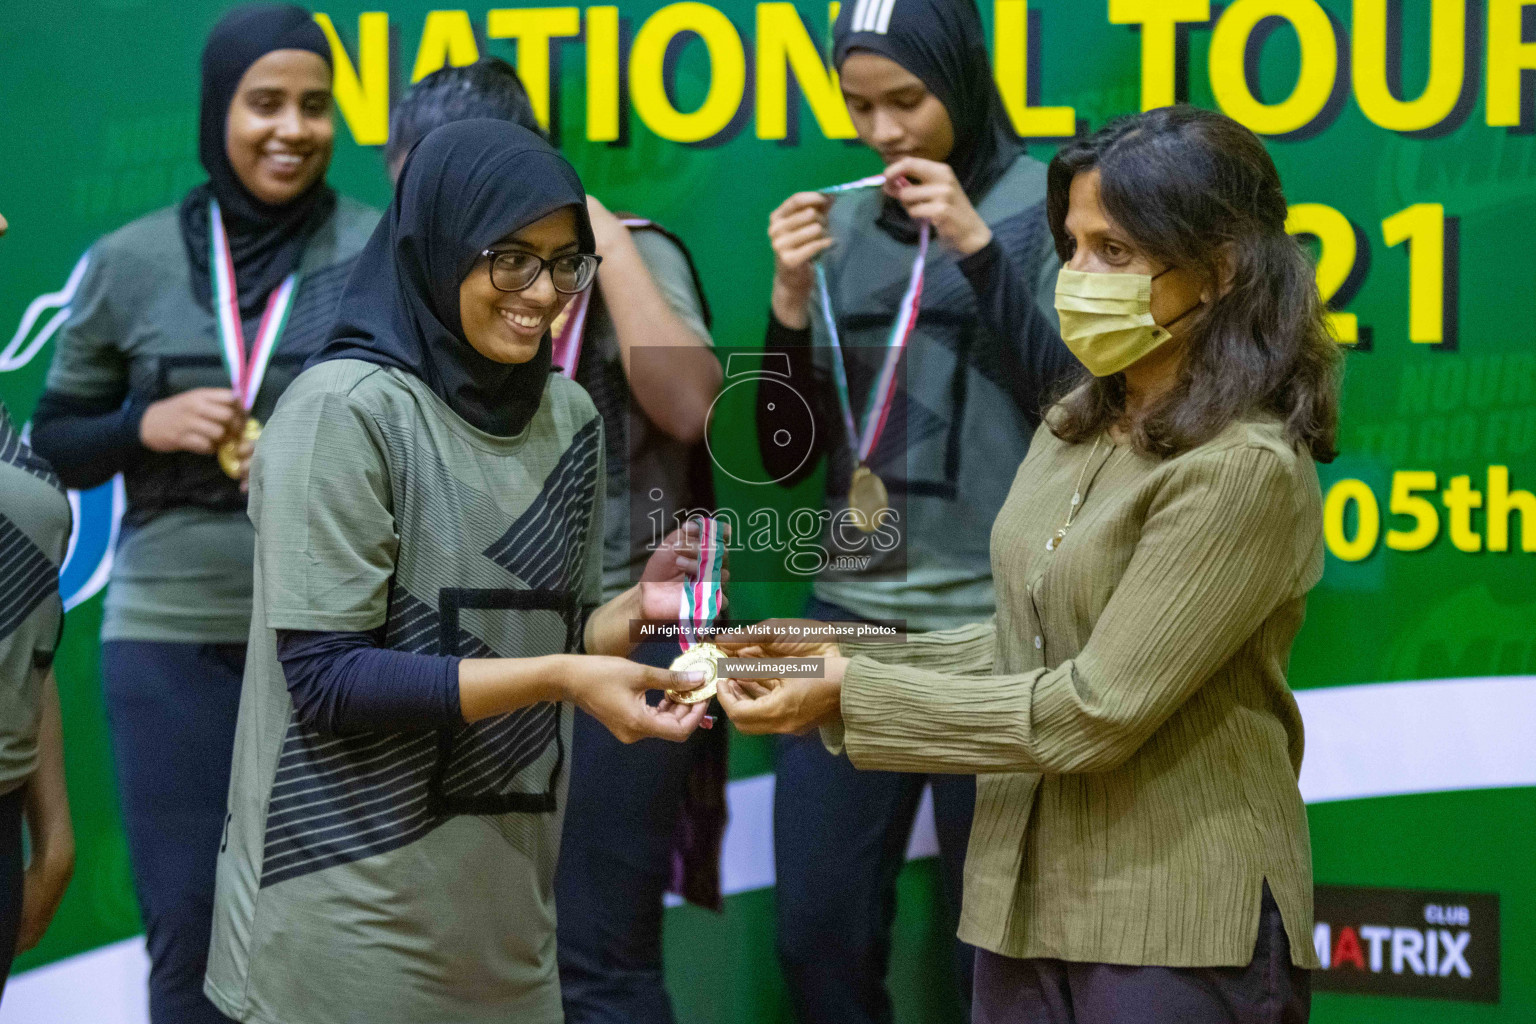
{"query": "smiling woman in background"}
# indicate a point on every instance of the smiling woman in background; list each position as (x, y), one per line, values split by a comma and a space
(187, 326)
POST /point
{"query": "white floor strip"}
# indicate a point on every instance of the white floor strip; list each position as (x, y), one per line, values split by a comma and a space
(109, 985)
(1430, 736)
(1382, 739)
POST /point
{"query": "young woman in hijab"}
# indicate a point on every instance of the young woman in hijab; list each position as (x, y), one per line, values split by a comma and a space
(979, 366)
(645, 359)
(428, 513)
(187, 326)
(34, 535)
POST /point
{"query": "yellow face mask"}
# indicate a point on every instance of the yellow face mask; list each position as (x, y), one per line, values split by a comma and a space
(1106, 319)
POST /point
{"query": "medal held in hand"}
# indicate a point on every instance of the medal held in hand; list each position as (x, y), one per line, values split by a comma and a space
(699, 658)
(699, 606)
(246, 368)
(867, 496)
(229, 451)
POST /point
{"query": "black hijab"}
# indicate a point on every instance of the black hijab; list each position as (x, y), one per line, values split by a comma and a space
(941, 42)
(465, 186)
(265, 241)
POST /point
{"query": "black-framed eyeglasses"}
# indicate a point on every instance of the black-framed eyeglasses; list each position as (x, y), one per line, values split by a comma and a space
(513, 270)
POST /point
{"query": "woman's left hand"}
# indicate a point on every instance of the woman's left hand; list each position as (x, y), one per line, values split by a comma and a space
(673, 564)
(933, 193)
(791, 705)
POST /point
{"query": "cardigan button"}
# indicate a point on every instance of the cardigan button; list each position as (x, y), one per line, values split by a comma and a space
(1039, 643)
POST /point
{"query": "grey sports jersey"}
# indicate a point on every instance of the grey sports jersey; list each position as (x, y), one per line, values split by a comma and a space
(405, 877)
(34, 532)
(182, 571)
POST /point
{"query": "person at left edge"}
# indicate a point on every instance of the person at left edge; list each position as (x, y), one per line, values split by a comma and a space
(34, 533)
(138, 386)
(429, 576)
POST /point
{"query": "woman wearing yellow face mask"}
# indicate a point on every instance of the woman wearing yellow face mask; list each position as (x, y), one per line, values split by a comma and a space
(1140, 847)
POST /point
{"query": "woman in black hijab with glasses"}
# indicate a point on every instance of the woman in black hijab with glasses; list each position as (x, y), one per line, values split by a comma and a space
(429, 570)
(977, 369)
(187, 326)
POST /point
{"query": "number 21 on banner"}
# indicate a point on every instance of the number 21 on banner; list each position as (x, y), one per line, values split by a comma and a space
(1341, 265)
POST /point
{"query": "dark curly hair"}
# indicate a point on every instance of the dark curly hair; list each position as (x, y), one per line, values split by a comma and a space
(487, 88)
(1195, 189)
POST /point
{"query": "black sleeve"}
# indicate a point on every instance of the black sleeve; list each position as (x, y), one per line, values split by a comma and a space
(87, 440)
(346, 683)
(1006, 302)
(790, 465)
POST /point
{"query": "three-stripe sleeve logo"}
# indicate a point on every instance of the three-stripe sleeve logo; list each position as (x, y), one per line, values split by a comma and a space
(873, 16)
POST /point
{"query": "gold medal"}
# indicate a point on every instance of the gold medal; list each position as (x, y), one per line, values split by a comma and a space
(866, 498)
(699, 658)
(229, 451)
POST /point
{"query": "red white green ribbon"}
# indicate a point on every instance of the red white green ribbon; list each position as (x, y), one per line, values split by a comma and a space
(246, 369)
(878, 409)
(873, 181)
(571, 326)
(700, 603)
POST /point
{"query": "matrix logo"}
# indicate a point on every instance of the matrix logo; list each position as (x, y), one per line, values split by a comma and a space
(1407, 942)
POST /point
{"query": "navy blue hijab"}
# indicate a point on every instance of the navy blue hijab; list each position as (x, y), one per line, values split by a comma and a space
(266, 241)
(941, 42)
(465, 186)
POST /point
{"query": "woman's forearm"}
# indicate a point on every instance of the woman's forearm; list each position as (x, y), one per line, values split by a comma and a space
(608, 629)
(47, 801)
(1036, 358)
(86, 441)
(345, 683)
(968, 650)
(498, 686)
(1222, 548)
(675, 385)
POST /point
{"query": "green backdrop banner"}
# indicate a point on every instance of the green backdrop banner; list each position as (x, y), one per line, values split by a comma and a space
(1404, 136)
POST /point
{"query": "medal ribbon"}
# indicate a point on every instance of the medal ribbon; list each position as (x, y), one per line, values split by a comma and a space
(246, 370)
(878, 409)
(571, 325)
(873, 181)
(700, 603)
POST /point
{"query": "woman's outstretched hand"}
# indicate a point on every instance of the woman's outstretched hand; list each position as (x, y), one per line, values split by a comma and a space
(784, 704)
(612, 690)
(779, 638)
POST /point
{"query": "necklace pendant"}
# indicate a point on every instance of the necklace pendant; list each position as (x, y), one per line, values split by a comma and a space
(1056, 539)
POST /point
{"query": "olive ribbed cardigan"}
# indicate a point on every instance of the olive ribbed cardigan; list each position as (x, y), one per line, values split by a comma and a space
(1127, 712)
